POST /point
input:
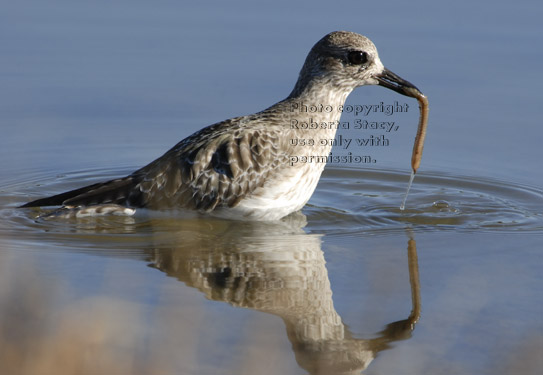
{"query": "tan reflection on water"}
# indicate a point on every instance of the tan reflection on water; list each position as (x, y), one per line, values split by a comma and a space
(272, 268)
(286, 276)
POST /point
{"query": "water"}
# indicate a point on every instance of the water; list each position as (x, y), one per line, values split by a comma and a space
(409, 184)
(352, 240)
(95, 91)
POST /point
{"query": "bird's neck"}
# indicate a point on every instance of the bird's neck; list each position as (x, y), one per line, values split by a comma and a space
(318, 101)
(320, 89)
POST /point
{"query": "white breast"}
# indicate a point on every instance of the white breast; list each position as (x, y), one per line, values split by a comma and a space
(280, 196)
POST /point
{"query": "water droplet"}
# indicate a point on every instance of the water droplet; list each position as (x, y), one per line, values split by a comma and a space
(441, 205)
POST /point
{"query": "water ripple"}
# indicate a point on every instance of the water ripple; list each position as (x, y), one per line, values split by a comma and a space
(346, 201)
(371, 198)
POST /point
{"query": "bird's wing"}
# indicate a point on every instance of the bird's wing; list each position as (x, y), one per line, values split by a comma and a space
(217, 166)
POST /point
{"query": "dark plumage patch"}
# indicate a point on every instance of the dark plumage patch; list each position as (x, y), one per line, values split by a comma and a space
(220, 278)
(219, 161)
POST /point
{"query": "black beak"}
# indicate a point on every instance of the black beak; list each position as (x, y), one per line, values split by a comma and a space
(398, 84)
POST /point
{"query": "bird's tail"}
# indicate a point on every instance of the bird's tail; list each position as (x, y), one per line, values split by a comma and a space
(120, 191)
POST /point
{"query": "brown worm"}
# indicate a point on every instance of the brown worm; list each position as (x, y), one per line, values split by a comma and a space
(416, 156)
(418, 146)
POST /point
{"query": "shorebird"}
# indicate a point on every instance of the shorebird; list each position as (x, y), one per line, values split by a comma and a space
(262, 166)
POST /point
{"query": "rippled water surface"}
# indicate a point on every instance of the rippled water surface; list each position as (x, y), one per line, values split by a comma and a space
(347, 200)
(474, 242)
(351, 284)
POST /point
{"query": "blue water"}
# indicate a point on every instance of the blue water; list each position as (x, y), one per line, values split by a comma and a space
(97, 89)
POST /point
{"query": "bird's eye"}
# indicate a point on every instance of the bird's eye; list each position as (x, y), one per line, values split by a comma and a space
(357, 57)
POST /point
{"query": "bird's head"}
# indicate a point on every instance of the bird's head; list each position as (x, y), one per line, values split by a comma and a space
(345, 60)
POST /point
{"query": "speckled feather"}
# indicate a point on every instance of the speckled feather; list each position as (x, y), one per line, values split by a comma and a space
(242, 167)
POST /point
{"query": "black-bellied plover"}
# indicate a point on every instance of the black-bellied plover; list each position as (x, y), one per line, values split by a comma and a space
(262, 166)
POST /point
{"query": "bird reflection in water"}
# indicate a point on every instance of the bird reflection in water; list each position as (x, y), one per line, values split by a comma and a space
(279, 269)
